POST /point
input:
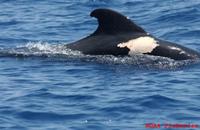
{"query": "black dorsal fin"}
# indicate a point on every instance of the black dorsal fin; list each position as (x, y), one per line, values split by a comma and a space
(112, 22)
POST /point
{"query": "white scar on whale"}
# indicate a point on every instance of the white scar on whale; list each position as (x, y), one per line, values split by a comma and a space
(142, 45)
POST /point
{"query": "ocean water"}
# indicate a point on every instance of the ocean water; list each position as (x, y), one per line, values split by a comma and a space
(46, 87)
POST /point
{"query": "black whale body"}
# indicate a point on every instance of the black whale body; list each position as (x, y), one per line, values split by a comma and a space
(118, 35)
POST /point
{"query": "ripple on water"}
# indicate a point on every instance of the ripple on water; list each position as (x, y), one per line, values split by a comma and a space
(48, 116)
(72, 97)
(159, 101)
(184, 116)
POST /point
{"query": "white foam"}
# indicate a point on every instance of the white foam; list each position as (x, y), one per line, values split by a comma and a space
(44, 48)
(140, 45)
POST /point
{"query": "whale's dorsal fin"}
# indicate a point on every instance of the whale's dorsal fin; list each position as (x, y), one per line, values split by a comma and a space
(111, 22)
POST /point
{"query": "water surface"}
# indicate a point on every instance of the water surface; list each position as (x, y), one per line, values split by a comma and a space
(44, 86)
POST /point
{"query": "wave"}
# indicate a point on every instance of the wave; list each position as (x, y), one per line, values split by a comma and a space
(44, 49)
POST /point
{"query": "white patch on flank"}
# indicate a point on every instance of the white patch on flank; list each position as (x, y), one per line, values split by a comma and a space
(178, 49)
(175, 48)
(140, 45)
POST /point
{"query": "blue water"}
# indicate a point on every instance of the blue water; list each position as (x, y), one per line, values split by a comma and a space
(45, 87)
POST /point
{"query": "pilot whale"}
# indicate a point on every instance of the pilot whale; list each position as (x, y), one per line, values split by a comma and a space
(118, 35)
